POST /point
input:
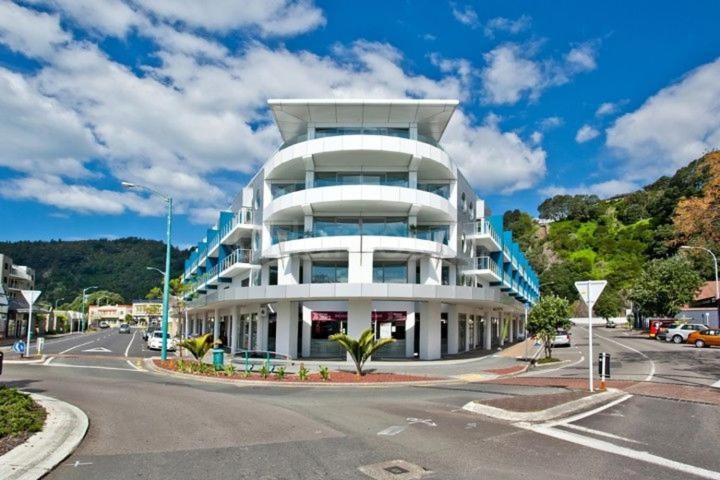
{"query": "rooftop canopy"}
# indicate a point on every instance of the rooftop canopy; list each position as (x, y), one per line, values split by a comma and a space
(431, 116)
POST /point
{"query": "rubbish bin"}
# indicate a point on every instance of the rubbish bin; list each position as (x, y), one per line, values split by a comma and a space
(218, 358)
(604, 361)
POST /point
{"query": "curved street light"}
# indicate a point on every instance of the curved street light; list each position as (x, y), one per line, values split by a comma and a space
(83, 320)
(166, 274)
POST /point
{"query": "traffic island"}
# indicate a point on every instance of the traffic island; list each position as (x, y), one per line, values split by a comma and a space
(46, 430)
(541, 408)
(278, 376)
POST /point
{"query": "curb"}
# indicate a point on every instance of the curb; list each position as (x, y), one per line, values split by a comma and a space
(25, 362)
(64, 429)
(152, 368)
(552, 413)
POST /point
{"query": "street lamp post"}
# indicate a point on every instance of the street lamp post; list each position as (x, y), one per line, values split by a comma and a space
(717, 283)
(55, 312)
(84, 319)
(166, 283)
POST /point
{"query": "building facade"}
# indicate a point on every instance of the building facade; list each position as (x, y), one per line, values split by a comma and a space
(113, 314)
(359, 220)
(13, 279)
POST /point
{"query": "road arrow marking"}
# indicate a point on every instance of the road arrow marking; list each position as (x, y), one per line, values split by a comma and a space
(98, 350)
(390, 431)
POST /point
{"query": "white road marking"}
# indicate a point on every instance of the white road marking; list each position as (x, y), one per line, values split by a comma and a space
(130, 343)
(716, 384)
(47, 362)
(642, 456)
(390, 431)
(78, 463)
(544, 371)
(600, 433)
(652, 364)
(134, 366)
(98, 350)
(426, 421)
(580, 416)
(76, 346)
(97, 367)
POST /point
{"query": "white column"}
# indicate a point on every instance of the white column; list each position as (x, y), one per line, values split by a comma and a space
(288, 270)
(511, 330)
(430, 272)
(412, 271)
(359, 313)
(216, 325)
(234, 326)
(203, 323)
(263, 330)
(228, 322)
(360, 267)
(487, 339)
(501, 328)
(452, 330)
(286, 337)
(430, 331)
(306, 330)
(410, 335)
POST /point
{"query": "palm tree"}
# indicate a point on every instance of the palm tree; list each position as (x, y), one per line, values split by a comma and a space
(198, 346)
(362, 348)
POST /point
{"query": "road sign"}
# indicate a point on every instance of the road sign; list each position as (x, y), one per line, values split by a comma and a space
(30, 296)
(590, 290)
(19, 347)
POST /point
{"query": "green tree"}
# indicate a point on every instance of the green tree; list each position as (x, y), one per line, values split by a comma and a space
(97, 297)
(665, 286)
(609, 304)
(546, 317)
(362, 348)
(559, 279)
(198, 346)
(155, 292)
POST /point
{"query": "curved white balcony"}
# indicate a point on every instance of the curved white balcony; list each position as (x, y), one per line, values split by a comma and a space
(405, 148)
(367, 243)
(380, 199)
(483, 234)
(239, 261)
(484, 268)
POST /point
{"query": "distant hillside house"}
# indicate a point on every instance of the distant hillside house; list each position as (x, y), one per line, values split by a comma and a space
(704, 307)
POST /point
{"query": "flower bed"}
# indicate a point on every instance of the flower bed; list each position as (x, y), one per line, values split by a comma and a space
(20, 417)
(335, 376)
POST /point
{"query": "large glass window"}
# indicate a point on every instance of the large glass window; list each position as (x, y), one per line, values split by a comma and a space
(332, 226)
(333, 131)
(330, 179)
(373, 226)
(435, 233)
(283, 233)
(273, 275)
(329, 272)
(442, 189)
(390, 272)
(396, 227)
(280, 189)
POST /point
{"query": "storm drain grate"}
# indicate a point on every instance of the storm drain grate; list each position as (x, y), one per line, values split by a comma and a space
(394, 470)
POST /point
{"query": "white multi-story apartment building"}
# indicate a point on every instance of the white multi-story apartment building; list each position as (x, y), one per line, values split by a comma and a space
(14, 316)
(359, 220)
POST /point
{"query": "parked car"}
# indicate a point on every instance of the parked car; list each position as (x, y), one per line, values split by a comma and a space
(704, 338)
(662, 331)
(562, 339)
(609, 324)
(104, 324)
(148, 331)
(679, 333)
(155, 341)
(124, 328)
(657, 324)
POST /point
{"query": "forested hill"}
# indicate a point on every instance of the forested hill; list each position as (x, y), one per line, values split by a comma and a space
(64, 268)
(613, 239)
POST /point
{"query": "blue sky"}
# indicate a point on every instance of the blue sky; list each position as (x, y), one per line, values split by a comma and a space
(576, 98)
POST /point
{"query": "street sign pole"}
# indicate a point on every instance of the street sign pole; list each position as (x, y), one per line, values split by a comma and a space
(589, 291)
(30, 297)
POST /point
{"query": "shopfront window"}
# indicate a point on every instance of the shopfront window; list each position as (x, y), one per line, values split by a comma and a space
(325, 324)
(389, 324)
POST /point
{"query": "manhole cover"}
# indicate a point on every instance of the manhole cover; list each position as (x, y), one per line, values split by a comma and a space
(394, 470)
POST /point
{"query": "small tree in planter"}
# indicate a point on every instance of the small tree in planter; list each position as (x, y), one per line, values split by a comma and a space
(198, 346)
(546, 317)
(362, 348)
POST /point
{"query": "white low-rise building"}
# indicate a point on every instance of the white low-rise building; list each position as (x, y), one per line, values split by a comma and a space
(359, 220)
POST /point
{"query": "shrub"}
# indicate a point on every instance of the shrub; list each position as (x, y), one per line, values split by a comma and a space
(264, 371)
(303, 372)
(280, 373)
(229, 369)
(324, 373)
(197, 346)
(18, 413)
(362, 348)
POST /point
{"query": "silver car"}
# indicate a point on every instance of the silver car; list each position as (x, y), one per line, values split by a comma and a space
(562, 339)
(679, 333)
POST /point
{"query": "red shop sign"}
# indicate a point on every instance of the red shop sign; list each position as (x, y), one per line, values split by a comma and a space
(389, 316)
(316, 316)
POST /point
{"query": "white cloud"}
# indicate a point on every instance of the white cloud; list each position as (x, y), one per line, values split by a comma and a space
(536, 137)
(512, 71)
(501, 24)
(493, 160)
(201, 109)
(551, 122)
(605, 189)
(29, 32)
(112, 17)
(271, 17)
(677, 124)
(465, 15)
(606, 108)
(586, 133)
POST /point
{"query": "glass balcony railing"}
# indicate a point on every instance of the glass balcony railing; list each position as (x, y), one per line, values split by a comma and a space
(484, 227)
(240, 255)
(244, 216)
(486, 263)
(386, 227)
(339, 131)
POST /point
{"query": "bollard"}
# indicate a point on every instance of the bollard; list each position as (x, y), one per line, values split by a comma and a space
(603, 368)
(2, 355)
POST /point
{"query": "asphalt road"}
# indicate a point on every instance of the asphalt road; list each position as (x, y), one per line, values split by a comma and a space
(636, 357)
(147, 426)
